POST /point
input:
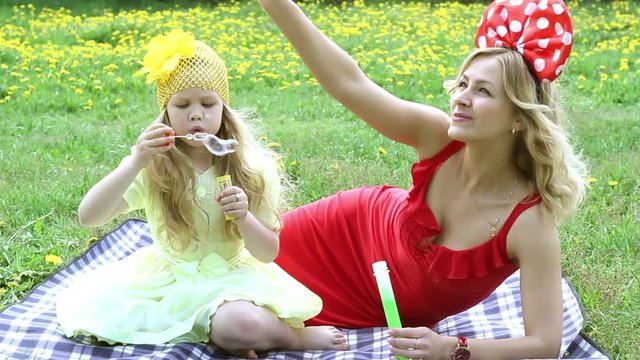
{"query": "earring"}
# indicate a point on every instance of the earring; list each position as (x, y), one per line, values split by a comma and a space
(513, 131)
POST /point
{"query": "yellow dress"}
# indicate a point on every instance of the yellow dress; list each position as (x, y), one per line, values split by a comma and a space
(158, 295)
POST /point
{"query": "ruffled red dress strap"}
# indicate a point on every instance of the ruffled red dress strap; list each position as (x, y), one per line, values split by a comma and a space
(523, 205)
(423, 170)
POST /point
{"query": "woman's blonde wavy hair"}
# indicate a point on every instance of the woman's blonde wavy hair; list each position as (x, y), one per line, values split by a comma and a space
(172, 178)
(542, 150)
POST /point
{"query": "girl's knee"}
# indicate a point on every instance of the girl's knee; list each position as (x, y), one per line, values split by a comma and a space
(242, 324)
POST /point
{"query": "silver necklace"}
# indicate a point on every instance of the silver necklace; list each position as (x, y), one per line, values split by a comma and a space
(493, 225)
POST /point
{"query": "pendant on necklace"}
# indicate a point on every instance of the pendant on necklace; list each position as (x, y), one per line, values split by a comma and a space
(493, 228)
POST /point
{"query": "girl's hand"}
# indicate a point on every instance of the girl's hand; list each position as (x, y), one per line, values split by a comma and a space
(156, 139)
(419, 343)
(234, 202)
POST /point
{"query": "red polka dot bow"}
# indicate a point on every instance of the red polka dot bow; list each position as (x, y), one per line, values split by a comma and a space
(540, 30)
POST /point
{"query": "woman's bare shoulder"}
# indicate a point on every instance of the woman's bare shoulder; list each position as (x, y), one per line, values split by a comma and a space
(533, 234)
(431, 127)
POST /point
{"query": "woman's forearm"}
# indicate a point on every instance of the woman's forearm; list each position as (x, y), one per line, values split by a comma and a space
(334, 69)
(527, 347)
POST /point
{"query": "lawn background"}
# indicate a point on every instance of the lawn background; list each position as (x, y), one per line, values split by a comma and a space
(70, 109)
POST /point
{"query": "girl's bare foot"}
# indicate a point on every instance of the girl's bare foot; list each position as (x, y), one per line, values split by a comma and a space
(320, 338)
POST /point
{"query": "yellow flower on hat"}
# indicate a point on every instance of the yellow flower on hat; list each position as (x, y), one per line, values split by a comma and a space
(164, 53)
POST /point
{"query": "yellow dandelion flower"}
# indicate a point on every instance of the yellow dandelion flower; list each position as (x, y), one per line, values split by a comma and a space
(624, 64)
(613, 183)
(273, 145)
(382, 150)
(591, 180)
(53, 259)
(2, 290)
(117, 101)
(79, 91)
(91, 240)
(263, 138)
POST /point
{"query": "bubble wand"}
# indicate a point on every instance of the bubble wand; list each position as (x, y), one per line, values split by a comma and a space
(381, 273)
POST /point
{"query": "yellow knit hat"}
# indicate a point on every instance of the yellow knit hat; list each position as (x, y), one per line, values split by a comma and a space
(178, 61)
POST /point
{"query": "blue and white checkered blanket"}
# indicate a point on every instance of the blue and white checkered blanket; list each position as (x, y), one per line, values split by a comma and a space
(29, 330)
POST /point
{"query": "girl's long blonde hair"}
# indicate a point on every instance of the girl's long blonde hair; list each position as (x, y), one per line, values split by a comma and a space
(542, 150)
(173, 178)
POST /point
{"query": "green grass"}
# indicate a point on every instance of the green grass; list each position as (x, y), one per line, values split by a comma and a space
(71, 109)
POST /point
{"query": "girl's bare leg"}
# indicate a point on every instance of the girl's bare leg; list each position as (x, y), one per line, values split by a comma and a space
(242, 329)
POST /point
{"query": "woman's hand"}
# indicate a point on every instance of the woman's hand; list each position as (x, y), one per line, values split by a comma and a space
(234, 202)
(420, 343)
(154, 140)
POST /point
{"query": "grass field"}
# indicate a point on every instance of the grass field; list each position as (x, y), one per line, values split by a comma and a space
(70, 108)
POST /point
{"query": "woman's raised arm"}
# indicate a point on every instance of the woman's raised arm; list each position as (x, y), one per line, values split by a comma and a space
(420, 126)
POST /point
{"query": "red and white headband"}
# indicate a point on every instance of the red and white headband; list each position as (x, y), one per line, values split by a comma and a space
(540, 30)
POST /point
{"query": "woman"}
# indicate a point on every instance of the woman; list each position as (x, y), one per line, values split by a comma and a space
(493, 180)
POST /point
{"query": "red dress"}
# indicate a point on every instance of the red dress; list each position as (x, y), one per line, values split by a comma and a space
(329, 246)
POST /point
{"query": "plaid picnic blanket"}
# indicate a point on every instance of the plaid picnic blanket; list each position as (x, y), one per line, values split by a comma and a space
(29, 330)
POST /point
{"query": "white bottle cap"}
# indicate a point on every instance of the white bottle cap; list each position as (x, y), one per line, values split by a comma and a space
(380, 266)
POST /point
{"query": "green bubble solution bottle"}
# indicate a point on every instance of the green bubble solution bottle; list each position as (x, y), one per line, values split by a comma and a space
(381, 273)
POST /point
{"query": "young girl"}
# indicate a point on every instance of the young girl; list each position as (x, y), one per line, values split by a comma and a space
(205, 278)
(494, 177)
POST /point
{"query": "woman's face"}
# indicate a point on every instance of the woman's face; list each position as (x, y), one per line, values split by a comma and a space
(480, 108)
(195, 110)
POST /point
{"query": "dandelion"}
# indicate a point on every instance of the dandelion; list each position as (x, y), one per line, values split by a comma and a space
(53, 259)
(624, 64)
(273, 145)
(2, 290)
(382, 150)
(591, 180)
(117, 101)
(91, 240)
(613, 183)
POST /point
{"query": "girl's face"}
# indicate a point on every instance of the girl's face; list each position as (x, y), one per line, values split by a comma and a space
(195, 110)
(480, 108)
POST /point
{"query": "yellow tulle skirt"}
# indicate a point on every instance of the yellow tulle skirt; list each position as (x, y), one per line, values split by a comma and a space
(148, 299)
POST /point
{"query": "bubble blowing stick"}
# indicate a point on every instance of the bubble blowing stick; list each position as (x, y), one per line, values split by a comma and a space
(381, 273)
